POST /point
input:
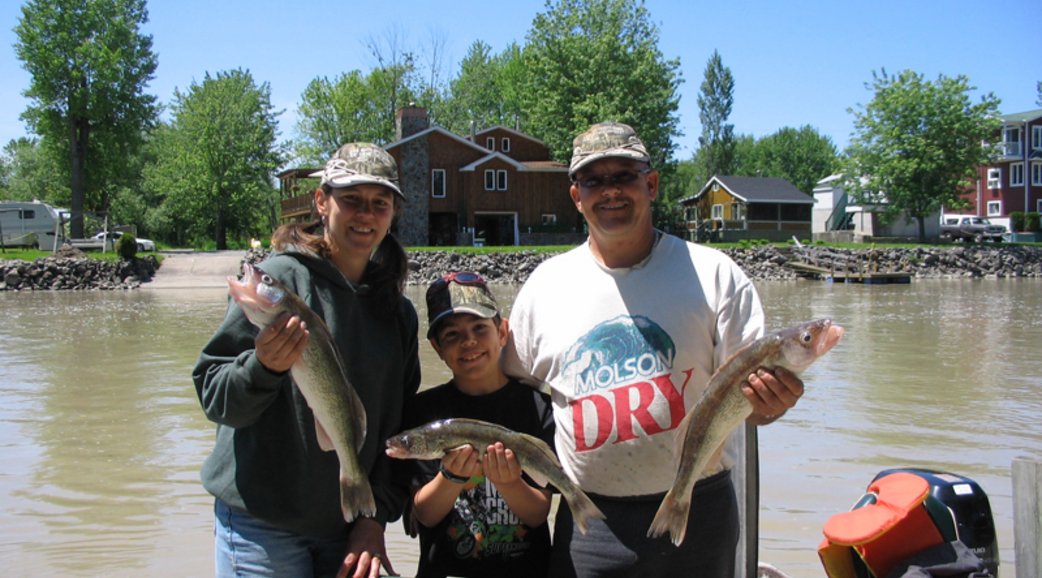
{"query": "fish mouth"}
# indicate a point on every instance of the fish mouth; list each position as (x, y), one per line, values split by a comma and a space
(832, 334)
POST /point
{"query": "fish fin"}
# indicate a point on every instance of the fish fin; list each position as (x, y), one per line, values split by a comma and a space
(547, 453)
(356, 498)
(582, 508)
(324, 441)
(671, 517)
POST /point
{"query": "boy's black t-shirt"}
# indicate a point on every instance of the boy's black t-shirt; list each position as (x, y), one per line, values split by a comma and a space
(481, 536)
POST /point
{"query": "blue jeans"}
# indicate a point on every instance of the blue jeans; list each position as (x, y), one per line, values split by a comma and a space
(247, 546)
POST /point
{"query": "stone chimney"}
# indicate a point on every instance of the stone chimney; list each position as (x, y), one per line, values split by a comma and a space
(410, 120)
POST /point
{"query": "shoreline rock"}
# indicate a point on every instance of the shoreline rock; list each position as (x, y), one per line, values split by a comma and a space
(761, 263)
(74, 273)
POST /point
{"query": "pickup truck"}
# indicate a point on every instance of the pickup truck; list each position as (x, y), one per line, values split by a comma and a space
(970, 228)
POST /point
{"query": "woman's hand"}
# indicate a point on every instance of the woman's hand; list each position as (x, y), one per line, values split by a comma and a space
(366, 552)
(279, 345)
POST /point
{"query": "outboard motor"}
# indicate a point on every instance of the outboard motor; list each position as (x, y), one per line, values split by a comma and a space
(911, 518)
(970, 508)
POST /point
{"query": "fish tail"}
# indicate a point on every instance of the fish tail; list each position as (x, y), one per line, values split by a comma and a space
(582, 508)
(356, 498)
(671, 517)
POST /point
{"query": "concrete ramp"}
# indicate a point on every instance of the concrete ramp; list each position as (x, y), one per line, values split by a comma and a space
(196, 269)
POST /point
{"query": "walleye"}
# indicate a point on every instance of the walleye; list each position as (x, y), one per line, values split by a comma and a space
(433, 440)
(723, 407)
(340, 421)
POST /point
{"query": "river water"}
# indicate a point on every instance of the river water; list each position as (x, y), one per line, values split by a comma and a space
(101, 436)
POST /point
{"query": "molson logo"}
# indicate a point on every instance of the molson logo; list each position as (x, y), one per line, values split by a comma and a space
(619, 369)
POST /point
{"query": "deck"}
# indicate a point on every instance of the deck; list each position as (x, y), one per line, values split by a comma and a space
(817, 263)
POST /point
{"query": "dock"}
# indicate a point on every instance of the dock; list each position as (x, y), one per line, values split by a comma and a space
(826, 265)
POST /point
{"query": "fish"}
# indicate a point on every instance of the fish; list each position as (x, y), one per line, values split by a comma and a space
(433, 440)
(723, 407)
(340, 418)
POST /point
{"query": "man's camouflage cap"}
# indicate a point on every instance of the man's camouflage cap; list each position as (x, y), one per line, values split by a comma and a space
(605, 140)
(359, 164)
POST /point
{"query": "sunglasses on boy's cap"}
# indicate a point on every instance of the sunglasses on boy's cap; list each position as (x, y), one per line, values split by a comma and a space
(458, 293)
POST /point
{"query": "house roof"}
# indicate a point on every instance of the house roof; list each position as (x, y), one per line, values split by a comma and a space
(439, 130)
(757, 190)
(509, 130)
(1026, 116)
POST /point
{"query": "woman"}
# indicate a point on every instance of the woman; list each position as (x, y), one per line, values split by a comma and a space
(277, 501)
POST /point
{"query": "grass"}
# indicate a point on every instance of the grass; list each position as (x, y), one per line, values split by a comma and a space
(34, 254)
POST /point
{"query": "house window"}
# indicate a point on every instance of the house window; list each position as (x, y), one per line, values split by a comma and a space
(994, 208)
(1036, 174)
(438, 183)
(549, 219)
(793, 212)
(994, 178)
(717, 212)
(1036, 137)
(504, 145)
(490, 180)
(1011, 136)
(490, 143)
(1016, 174)
(501, 180)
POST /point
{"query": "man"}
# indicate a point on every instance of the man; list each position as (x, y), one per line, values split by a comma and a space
(626, 330)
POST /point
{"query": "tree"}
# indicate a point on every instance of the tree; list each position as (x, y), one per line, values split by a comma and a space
(801, 156)
(27, 173)
(89, 65)
(1038, 86)
(483, 92)
(715, 98)
(917, 144)
(589, 61)
(216, 160)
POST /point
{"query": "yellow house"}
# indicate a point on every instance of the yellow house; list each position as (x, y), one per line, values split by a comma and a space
(730, 208)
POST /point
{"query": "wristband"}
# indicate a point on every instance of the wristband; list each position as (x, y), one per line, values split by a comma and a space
(451, 476)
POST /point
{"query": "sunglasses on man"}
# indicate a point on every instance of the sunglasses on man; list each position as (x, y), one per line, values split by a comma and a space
(617, 179)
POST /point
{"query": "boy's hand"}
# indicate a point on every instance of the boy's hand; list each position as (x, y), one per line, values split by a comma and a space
(463, 462)
(501, 465)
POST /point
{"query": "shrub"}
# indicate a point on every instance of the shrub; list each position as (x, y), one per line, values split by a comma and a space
(1031, 221)
(1016, 221)
(126, 246)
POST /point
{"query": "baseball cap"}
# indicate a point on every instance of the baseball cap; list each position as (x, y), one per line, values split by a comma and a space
(359, 164)
(458, 293)
(604, 140)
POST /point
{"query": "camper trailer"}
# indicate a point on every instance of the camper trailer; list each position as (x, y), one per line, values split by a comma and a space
(29, 224)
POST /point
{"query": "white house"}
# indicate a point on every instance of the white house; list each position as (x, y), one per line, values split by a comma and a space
(835, 217)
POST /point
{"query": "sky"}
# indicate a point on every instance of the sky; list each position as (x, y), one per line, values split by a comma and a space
(794, 62)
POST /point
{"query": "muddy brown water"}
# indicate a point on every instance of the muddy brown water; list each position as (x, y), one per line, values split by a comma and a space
(101, 436)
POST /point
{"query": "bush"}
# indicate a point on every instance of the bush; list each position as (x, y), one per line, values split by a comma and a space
(1031, 222)
(126, 246)
(1016, 221)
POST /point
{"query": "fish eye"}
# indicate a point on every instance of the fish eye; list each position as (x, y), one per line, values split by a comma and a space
(266, 279)
(806, 337)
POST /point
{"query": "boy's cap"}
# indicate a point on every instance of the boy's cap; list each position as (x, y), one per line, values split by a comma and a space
(359, 164)
(458, 293)
(605, 140)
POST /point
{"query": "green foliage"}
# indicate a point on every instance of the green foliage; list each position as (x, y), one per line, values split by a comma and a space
(485, 91)
(801, 156)
(126, 246)
(1016, 221)
(917, 143)
(715, 99)
(89, 65)
(27, 172)
(589, 61)
(215, 160)
(1031, 222)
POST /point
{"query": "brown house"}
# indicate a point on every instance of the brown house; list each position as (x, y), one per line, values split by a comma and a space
(493, 187)
(732, 208)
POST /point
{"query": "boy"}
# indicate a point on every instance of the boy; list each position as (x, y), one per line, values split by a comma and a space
(478, 516)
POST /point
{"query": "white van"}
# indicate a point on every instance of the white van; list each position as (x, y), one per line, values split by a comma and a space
(29, 224)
